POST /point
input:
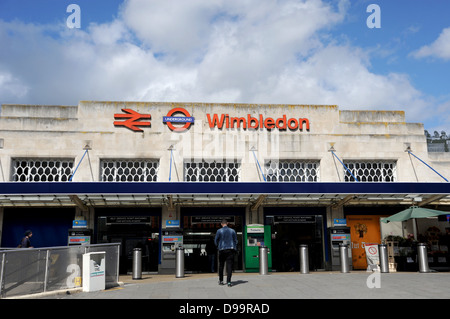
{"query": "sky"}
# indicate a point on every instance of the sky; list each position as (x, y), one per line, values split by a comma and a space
(392, 56)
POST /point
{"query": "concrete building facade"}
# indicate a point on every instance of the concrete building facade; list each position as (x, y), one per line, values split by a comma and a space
(211, 146)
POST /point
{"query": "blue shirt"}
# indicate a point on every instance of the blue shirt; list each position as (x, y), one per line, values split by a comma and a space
(226, 238)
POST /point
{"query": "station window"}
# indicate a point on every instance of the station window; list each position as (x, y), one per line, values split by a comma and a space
(212, 171)
(371, 171)
(125, 170)
(41, 170)
(292, 170)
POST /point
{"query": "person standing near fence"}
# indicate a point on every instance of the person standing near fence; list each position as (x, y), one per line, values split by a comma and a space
(26, 242)
(226, 242)
(211, 251)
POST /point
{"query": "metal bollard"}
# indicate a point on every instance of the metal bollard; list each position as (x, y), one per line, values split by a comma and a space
(304, 259)
(343, 250)
(137, 263)
(179, 266)
(422, 257)
(263, 260)
(383, 256)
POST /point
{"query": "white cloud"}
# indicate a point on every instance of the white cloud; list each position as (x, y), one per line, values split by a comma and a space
(340, 75)
(194, 28)
(11, 88)
(170, 26)
(441, 112)
(440, 48)
(200, 51)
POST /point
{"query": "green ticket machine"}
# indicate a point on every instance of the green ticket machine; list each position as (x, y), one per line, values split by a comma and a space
(255, 236)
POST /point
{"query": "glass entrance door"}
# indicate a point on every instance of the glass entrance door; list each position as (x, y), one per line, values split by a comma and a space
(132, 231)
(198, 231)
(288, 233)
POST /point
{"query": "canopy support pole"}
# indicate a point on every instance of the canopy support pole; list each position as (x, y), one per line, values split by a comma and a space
(346, 168)
(409, 152)
(257, 162)
(170, 163)
(90, 165)
(1, 168)
(70, 178)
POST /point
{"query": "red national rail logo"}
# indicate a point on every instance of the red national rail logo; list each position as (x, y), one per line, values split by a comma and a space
(131, 120)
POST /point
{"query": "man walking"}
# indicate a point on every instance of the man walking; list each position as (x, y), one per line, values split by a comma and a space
(26, 242)
(226, 242)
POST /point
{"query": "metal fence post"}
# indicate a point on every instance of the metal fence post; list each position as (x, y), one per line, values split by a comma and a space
(263, 260)
(118, 263)
(47, 258)
(2, 271)
(304, 259)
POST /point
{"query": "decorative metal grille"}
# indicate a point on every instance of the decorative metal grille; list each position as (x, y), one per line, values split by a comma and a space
(292, 170)
(114, 170)
(212, 171)
(41, 170)
(371, 171)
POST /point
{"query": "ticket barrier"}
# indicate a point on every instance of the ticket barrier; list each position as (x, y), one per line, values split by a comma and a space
(171, 239)
(339, 240)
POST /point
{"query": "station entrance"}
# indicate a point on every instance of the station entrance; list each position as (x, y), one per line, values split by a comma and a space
(200, 225)
(132, 228)
(291, 231)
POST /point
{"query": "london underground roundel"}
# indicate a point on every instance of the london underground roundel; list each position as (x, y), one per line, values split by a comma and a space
(170, 119)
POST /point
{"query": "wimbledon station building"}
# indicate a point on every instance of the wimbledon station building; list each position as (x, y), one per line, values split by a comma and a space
(157, 175)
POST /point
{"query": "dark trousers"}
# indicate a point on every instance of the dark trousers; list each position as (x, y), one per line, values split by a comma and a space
(226, 256)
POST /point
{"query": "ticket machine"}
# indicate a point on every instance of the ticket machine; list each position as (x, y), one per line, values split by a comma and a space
(255, 236)
(171, 239)
(79, 236)
(339, 235)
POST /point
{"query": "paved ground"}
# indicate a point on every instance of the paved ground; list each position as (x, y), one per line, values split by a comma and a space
(360, 294)
(251, 286)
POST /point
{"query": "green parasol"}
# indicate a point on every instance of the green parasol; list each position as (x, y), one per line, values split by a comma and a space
(413, 212)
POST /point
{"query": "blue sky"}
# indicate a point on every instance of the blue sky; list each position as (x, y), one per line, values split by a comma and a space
(54, 11)
(255, 51)
(406, 26)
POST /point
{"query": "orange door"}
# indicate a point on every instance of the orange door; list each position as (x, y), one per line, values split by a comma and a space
(363, 229)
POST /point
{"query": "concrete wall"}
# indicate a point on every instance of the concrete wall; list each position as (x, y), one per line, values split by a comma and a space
(63, 131)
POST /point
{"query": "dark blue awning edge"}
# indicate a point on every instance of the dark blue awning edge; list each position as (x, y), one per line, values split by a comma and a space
(229, 188)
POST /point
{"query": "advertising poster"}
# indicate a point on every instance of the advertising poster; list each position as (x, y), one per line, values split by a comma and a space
(363, 229)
